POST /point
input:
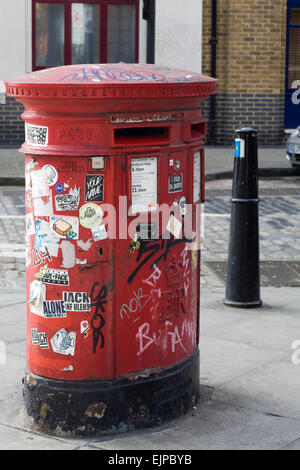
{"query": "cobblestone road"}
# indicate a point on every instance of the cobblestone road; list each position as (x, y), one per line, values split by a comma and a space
(279, 220)
(279, 228)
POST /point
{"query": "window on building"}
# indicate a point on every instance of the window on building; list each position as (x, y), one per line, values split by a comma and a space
(91, 31)
(294, 47)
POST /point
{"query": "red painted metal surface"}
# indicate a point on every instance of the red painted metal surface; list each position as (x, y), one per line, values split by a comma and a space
(103, 300)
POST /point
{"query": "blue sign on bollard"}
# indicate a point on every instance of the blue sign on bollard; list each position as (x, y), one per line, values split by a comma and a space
(239, 148)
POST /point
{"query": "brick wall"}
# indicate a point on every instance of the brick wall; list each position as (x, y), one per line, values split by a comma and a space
(11, 125)
(251, 52)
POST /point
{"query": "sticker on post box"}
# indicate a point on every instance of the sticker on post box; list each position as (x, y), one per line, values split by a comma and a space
(239, 148)
(176, 183)
(36, 135)
(197, 177)
(98, 163)
(143, 184)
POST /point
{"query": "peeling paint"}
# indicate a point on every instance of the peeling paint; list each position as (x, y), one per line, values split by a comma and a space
(81, 261)
(144, 373)
(96, 411)
(45, 407)
(30, 380)
(85, 245)
(70, 367)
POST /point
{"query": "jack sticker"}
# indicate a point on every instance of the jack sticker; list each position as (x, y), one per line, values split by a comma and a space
(77, 302)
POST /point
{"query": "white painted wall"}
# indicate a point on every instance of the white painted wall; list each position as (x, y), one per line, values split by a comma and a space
(142, 37)
(15, 39)
(178, 40)
(179, 34)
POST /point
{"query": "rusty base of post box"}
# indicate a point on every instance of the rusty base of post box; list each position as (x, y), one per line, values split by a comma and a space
(94, 408)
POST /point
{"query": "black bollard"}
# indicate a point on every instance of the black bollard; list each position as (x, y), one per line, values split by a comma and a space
(243, 279)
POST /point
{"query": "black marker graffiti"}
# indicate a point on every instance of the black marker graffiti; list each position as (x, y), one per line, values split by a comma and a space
(98, 301)
(153, 247)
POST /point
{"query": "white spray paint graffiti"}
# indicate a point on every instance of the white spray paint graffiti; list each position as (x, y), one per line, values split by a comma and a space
(172, 336)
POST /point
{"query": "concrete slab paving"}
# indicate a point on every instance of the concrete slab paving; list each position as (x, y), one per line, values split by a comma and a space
(293, 446)
(251, 326)
(11, 376)
(214, 425)
(12, 439)
(13, 322)
(271, 388)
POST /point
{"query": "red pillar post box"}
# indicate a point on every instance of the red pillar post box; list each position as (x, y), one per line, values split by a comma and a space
(114, 183)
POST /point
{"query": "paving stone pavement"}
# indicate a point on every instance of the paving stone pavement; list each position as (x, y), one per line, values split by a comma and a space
(279, 221)
(279, 211)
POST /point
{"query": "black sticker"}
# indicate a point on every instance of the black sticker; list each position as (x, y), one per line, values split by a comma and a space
(94, 188)
(58, 277)
(175, 183)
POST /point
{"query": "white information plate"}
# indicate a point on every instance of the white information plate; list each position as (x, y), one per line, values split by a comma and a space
(143, 184)
(197, 176)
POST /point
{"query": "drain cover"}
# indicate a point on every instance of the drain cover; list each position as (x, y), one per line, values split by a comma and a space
(272, 273)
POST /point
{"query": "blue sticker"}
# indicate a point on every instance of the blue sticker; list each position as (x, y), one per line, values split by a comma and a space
(239, 148)
(59, 188)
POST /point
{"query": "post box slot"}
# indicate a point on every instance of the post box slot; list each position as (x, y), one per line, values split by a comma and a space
(194, 131)
(197, 130)
(141, 135)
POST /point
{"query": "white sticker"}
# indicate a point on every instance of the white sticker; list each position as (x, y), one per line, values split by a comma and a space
(63, 342)
(39, 339)
(68, 254)
(99, 233)
(43, 242)
(64, 227)
(39, 181)
(43, 206)
(37, 297)
(51, 174)
(30, 229)
(31, 164)
(36, 135)
(182, 206)
(77, 301)
(197, 177)
(98, 163)
(174, 226)
(90, 215)
(84, 328)
(68, 201)
(143, 184)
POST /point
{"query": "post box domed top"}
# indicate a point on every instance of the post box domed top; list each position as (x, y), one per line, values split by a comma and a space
(110, 81)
